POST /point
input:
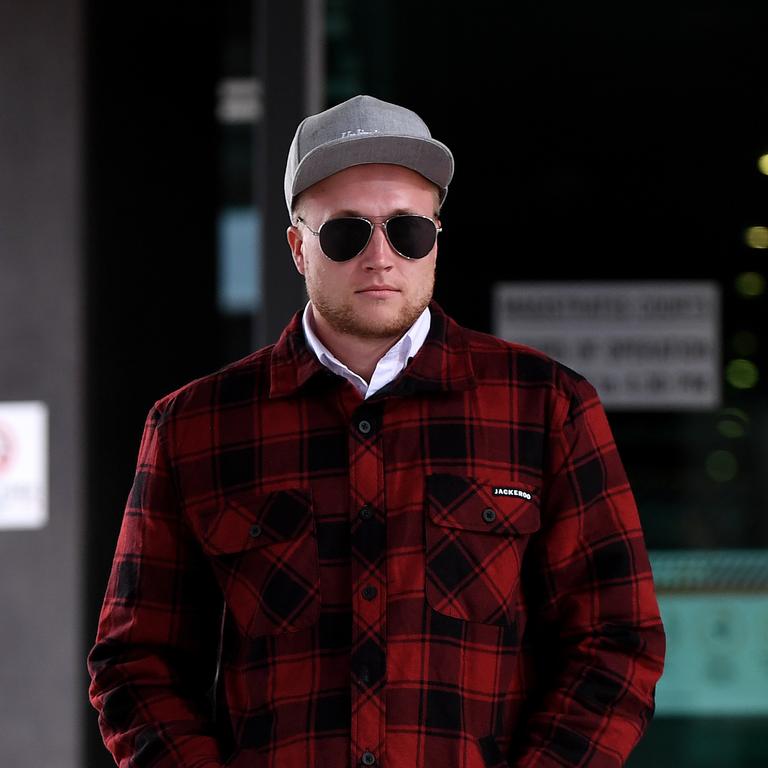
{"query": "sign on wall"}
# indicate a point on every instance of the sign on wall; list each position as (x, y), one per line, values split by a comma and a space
(714, 605)
(23, 464)
(717, 654)
(644, 345)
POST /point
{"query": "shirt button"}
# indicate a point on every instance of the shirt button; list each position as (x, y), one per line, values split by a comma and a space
(369, 592)
(255, 530)
(364, 426)
(366, 512)
(364, 675)
(368, 758)
(489, 515)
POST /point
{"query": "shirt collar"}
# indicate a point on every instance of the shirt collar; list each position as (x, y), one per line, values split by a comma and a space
(390, 364)
(442, 363)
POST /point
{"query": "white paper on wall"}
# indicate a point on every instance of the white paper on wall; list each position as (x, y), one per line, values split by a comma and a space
(23, 464)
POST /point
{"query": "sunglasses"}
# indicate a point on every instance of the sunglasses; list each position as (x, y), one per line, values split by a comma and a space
(411, 235)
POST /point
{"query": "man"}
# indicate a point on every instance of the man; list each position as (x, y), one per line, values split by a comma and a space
(385, 540)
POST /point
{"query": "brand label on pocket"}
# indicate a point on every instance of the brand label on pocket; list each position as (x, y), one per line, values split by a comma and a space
(500, 490)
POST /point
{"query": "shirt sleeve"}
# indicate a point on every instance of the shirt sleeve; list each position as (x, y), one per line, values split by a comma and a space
(594, 615)
(154, 660)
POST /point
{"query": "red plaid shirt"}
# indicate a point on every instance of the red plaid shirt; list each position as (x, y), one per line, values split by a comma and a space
(451, 573)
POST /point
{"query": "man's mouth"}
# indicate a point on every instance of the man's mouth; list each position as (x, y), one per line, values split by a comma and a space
(379, 289)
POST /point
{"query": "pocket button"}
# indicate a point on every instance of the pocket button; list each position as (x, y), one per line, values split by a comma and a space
(489, 514)
(369, 592)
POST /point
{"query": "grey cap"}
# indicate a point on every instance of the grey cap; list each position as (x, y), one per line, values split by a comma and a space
(361, 130)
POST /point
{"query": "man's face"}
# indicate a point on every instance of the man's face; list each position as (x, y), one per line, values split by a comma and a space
(341, 291)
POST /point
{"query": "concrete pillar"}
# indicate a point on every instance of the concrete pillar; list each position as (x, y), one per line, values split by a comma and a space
(42, 675)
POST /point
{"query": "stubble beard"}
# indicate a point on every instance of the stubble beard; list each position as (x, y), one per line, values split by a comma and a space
(345, 318)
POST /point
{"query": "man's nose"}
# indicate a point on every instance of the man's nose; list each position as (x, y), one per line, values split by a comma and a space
(379, 252)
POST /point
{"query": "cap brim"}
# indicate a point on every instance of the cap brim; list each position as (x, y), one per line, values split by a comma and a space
(427, 156)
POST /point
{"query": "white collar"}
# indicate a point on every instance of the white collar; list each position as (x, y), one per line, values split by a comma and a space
(389, 365)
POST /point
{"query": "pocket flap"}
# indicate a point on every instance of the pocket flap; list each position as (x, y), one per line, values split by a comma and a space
(458, 501)
(247, 520)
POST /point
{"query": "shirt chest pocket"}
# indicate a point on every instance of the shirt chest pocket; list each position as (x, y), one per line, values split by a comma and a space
(475, 536)
(263, 551)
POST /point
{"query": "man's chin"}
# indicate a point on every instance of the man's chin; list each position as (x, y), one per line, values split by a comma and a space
(373, 324)
(372, 329)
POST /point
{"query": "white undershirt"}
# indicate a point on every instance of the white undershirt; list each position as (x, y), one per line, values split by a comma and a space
(389, 365)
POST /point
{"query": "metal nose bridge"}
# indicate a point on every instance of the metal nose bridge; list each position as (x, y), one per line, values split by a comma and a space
(380, 221)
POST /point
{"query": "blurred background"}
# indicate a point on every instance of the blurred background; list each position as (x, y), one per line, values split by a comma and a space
(608, 206)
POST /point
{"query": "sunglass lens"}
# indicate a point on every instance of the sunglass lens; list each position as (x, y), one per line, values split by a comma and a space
(413, 236)
(342, 239)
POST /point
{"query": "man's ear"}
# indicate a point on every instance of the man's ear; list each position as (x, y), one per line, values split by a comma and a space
(296, 243)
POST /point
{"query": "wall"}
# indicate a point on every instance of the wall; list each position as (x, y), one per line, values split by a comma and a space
(42, 673)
